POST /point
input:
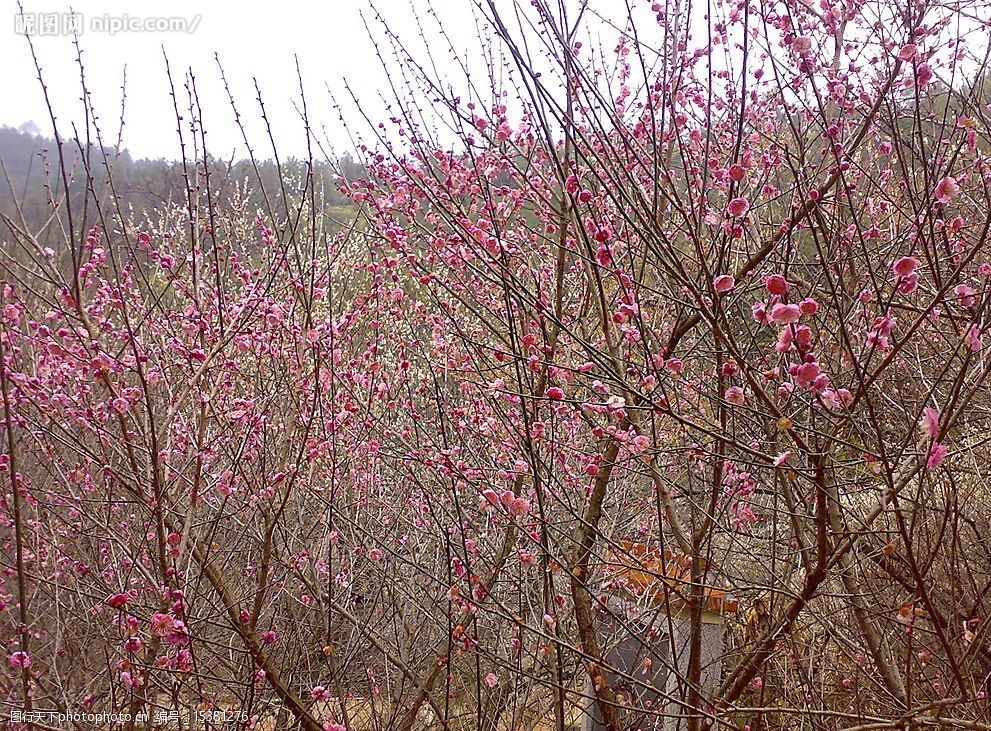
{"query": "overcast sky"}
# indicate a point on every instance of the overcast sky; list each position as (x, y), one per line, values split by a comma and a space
(253, 39)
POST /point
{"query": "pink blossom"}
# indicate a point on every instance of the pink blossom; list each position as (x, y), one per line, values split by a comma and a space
(603, 255)
(809, 306)
(527, 558)
(974, 339)
(329, 726)
(738, 207)
(491, 680)
(519, 506)
(179, 634)
(757, 683)
(908, 51)
(785, 340)
(723, 283)
(132, 645)
(117, 600)
(782, 458)
(375, 554)
(602, 235)
(776, 284)
(923, 74)
(555, 393)
(907, 285)
(947, 189)
(937, 452)
(806, 374)
(737, 172)
(966, 295)
(838, 399)
(269, 637)
(759, 310)
(162, 624)
(20, 659)
(930, 420)
(785, 314)
(735, 395)
(641, 442)
(318, 692)
(904, 266)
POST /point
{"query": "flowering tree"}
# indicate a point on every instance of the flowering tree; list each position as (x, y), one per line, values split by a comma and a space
(723, 295)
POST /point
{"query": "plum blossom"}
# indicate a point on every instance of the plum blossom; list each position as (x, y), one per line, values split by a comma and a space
(603, 255)
(723, 283)
(491, 680)
(907, 285)
(785, 340)
(947, 189)
(806, 374)
(162, 624)
(132, 645)
(930, 420)
(837, 399)
(735, 395)
(776, 284)
(904, 266)
(555, 393)
(519, 506)
(974, 339)
(786, 314)
(966, 295)
(908, 52)
(782, 458)
(738, 207)
(20, 659)
(937, 452)
(527, 558)
(802, 45)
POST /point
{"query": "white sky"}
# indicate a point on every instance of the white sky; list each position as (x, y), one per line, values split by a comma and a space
(253, 39)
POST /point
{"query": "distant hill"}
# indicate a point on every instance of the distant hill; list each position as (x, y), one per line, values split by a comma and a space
(29, 172)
